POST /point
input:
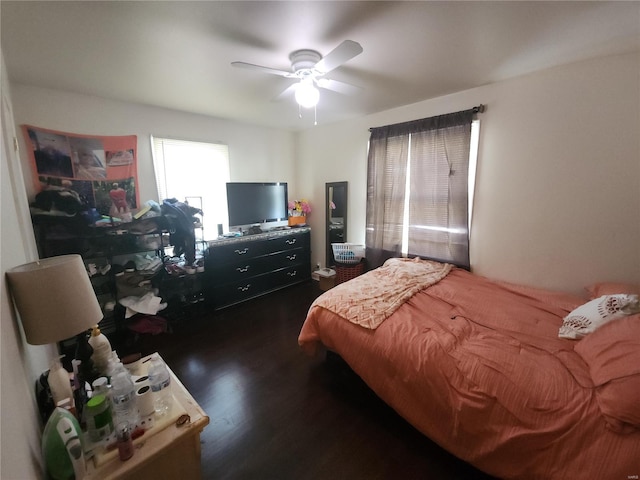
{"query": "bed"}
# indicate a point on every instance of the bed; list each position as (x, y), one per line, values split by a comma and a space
(484, 369)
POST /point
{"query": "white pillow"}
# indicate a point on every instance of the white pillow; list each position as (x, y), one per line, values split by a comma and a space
(592, 315)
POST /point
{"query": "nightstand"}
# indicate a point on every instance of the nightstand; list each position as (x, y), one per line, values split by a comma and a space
(172, 452)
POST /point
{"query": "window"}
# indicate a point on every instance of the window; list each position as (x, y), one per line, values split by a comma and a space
(193, 170)
(420, 188)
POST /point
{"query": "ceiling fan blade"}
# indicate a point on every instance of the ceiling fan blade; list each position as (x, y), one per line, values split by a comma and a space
(340, 87)
(339, 55)
(251, 66)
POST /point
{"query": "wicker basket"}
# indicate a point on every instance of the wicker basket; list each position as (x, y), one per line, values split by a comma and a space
(347, 253)
(345, 272)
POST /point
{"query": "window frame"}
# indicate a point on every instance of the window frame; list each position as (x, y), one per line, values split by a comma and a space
(214, 207)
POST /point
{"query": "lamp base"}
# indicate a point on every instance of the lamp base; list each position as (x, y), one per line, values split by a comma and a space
(44, 398)
(87, 370)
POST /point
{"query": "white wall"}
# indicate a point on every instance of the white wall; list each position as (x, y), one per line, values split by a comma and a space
(333, 154)
(21, 363)
(255, 153)
(558, 183)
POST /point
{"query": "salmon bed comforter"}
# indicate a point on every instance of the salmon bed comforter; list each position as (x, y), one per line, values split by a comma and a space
(478, 367)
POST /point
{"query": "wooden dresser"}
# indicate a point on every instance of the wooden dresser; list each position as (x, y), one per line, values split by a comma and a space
(241, 268)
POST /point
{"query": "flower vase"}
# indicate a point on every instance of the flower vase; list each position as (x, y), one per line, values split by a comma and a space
(297, 220)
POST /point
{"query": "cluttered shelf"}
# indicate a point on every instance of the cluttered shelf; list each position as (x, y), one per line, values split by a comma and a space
(138, 268)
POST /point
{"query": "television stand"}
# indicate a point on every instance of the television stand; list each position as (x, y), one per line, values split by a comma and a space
(241, 268)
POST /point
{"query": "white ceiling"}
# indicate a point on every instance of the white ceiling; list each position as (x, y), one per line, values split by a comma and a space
(178, 54)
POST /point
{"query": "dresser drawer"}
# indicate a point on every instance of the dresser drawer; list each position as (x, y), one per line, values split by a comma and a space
(238, 291)
(244, 250)
(236, 252)
(287, 243)
(231, 272)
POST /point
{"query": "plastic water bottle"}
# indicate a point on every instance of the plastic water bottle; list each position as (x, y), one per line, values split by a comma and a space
(160, 382)
(114, 365)
(123, 398)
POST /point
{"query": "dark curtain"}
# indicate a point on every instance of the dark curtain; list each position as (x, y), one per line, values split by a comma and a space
(425, 163)
(386, 193)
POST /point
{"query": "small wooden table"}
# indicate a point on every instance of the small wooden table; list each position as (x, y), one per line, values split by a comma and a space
(170, 453)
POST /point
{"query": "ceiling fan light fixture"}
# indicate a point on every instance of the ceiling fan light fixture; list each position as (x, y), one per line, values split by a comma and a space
(307, 95)
(309, 66)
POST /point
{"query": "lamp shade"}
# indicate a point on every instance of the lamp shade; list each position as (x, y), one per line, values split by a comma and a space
(54, 298)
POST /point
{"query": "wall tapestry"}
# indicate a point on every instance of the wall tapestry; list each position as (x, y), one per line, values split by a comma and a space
(102, 170)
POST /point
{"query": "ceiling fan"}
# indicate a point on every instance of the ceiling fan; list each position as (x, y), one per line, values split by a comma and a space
(309, 67)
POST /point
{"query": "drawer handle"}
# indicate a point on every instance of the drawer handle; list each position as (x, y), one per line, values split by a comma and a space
(292, 274)
(243, 251)
(245, 288)
(291, 241)
(291, 257)
(243, 269)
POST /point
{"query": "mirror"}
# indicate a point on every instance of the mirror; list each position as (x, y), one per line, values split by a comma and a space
(336, 206)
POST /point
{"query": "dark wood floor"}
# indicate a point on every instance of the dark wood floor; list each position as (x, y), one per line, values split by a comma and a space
(276, 413)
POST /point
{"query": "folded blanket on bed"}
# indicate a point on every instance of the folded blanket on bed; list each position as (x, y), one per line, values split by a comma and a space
(371, 298)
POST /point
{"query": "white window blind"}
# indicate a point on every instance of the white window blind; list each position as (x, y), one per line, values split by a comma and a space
(185, 169)
(420, 182)
(428, 194)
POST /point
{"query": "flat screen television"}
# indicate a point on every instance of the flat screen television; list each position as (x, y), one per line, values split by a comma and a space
(249, 203)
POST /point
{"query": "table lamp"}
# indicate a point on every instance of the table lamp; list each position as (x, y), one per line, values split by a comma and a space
(55, 298)
(56, 301)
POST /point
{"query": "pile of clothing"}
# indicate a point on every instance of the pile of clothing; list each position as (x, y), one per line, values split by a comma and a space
(59, 200)
(180, 219)
(137, 294)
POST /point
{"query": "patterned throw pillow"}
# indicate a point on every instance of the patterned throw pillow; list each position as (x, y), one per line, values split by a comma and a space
(589, 317)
